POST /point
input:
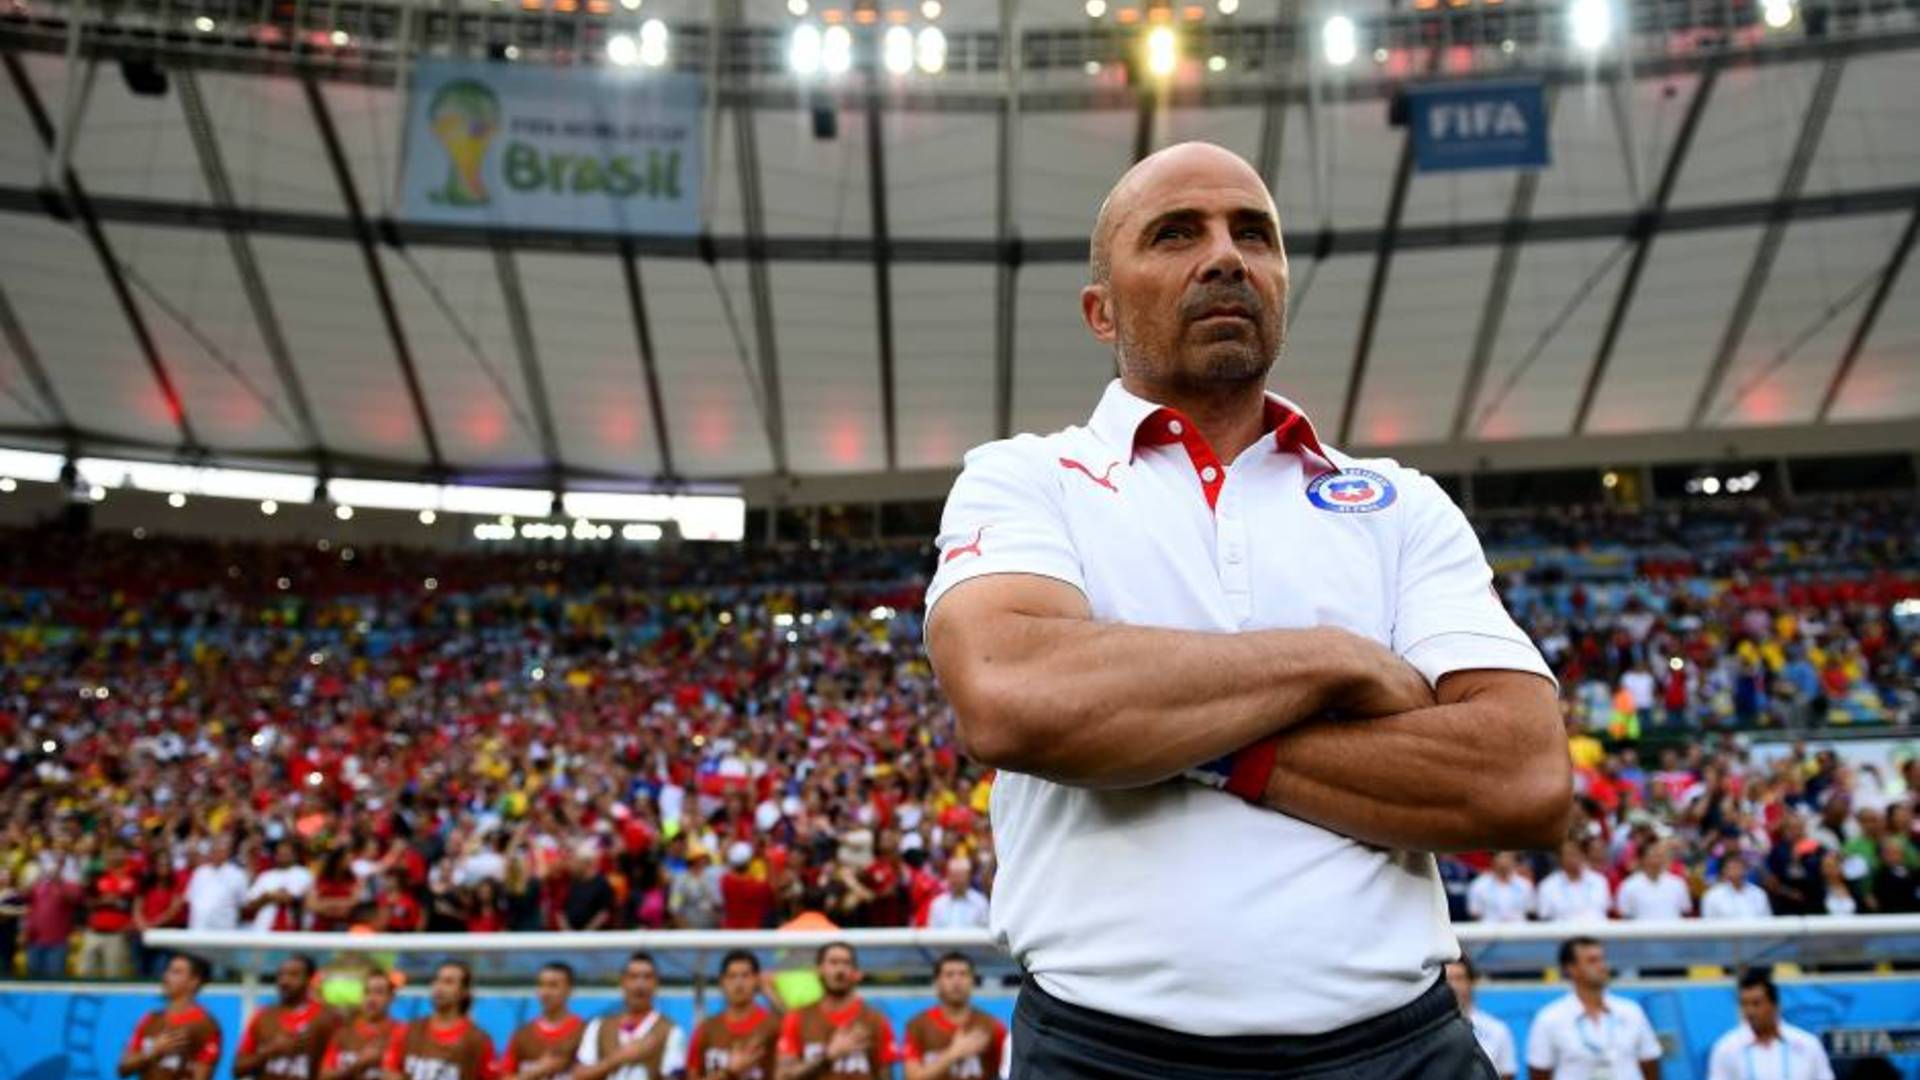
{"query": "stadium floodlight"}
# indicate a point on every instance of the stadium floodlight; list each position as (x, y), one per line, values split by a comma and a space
(896, 50)
(1163, 51)
(630, 5)
(1096, 8)
(1777, 13)
(653, 43)
(710, 517)
(641, 533)
(1592, 23)
(931, 50)
(1228, 7)
(269, 507)
(1339, 40)
(30, 465)
(803, 50)
(177, 500)
(251, 484)
(7, 483)
(204, 24)
(836, 50)
(494, 501)
(383, 494)
(617, 506)
(341, 39)
(1216, 63)
(623, 50)
(797, 7)
(931, 9)
(344, 513)
(428, 517)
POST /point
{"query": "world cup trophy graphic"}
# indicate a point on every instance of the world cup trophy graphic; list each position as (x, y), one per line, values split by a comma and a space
(464, 116)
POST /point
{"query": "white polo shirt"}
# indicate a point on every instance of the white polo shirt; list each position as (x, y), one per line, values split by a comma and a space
(1664, 897)
(1724, 901)
(1178, 904)
(1496, 1040)
(1795, 1055)
(1491, 900)
(1570, 1045)
(1563, 899)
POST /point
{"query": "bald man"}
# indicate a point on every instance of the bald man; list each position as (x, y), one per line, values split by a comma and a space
(1239, 685)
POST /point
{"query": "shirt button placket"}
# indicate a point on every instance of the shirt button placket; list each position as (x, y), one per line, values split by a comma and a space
(1230, 532)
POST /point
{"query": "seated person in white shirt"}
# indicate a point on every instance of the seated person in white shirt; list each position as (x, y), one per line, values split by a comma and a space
(1495, 1038)
(1733, 896)
(961, 907)
(1654, 891)
(1763, 1047)
(1575, 892)
(1501, 894)
(1591, 1034)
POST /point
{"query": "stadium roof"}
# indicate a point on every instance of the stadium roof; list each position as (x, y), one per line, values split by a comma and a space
(1720, 245)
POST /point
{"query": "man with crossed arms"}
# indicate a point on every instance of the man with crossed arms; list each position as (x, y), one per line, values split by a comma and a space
(1239, 685)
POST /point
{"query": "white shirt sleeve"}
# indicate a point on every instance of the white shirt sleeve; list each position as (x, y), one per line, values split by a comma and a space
(1003, 516)
(675, 1061)
(1822, 1066)
(1477, 897)
(589, 1052)
(1724, 1063)
(1502, 1051)
(1646, 1044)
(1540, 1053)
(1447, 617)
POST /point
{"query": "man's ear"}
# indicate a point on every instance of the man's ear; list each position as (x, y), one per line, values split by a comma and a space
(1096, 307)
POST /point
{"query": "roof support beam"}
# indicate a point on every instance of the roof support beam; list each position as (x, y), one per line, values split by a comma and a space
(753, 216)
(1377, 289)
(1006, 240)
(1143, 124)
(515, 299)
(1812, 125)
(240, 245)
(1645, 228)
(882, 271)
(643, 337)
(74, 198)
(1902, 249)
(1487, 334)
(36, 372)
(362, 232)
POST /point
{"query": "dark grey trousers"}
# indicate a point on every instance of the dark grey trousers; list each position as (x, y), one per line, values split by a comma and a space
(1427, 1040)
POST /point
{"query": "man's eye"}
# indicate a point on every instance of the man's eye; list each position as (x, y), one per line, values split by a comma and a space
(1170, 232)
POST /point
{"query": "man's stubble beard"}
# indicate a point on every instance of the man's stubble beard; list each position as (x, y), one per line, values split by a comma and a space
(1225, 367)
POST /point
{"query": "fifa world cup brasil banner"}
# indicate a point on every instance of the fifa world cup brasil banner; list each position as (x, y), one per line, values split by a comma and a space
(594, 149)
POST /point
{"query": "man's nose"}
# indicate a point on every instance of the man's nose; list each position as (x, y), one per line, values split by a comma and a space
(1223, 260)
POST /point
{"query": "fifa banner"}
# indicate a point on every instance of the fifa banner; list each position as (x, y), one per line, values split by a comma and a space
(593, 149)
(1478, 125)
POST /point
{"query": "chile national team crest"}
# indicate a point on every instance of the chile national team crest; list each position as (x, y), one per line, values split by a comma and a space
(1354, 491)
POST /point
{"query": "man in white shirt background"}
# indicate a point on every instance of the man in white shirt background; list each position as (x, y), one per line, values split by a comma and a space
(1733, 896)
(1502, 893)
(1591, 1034)
(1654, 891)
(961, 906)
(1575, 892)
(1495, 1038)
(1764, 1047)
(274, 898)
(216, 890)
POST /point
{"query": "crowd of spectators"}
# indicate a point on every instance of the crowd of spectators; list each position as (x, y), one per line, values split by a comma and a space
(306, 736)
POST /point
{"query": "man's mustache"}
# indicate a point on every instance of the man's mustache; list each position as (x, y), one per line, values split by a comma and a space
(1229, 295)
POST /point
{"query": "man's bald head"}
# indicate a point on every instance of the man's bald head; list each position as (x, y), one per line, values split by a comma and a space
(1174, 164)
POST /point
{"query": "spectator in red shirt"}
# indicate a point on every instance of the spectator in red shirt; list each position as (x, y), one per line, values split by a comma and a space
(745, 900)
(399, 912)
(160, 903)
(487, 911)
(336, 892)
(53, 907)
(105, 949)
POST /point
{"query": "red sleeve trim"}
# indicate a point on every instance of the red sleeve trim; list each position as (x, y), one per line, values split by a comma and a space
(1251, 769)
(790, 1035)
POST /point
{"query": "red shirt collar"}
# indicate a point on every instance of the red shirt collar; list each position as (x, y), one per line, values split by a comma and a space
(550, 1030)
(1130, 422)
(754, 1019)
(844, 1016)
(449, 1034)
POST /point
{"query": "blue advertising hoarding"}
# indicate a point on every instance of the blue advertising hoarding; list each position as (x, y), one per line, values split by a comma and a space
(1479, 125)
(592, 149)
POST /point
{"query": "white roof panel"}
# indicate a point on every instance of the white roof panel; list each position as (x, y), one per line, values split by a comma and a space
(590, 360)
(829, 366)
(69, 313)
(1058, 367)
(943, 329)
(21, 155)
(1555, 313)
(340, 346)
(1422, 342)
(1885, 381)
(811, 186)
(1325, 305)
(1677, 319)
(206, 332)
(1746, 135)
(469, 369)
(1801, 324)
(368, 121)
(1067, 162)
(705, 368)
(940, 174)
(1869, 139)
(130, 144)
(273, 153)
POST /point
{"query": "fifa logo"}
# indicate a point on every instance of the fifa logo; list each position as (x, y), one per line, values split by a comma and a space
(419, 1068)
(464, 116)
(294, 1066)
(851, 1064)
(967, 1069)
